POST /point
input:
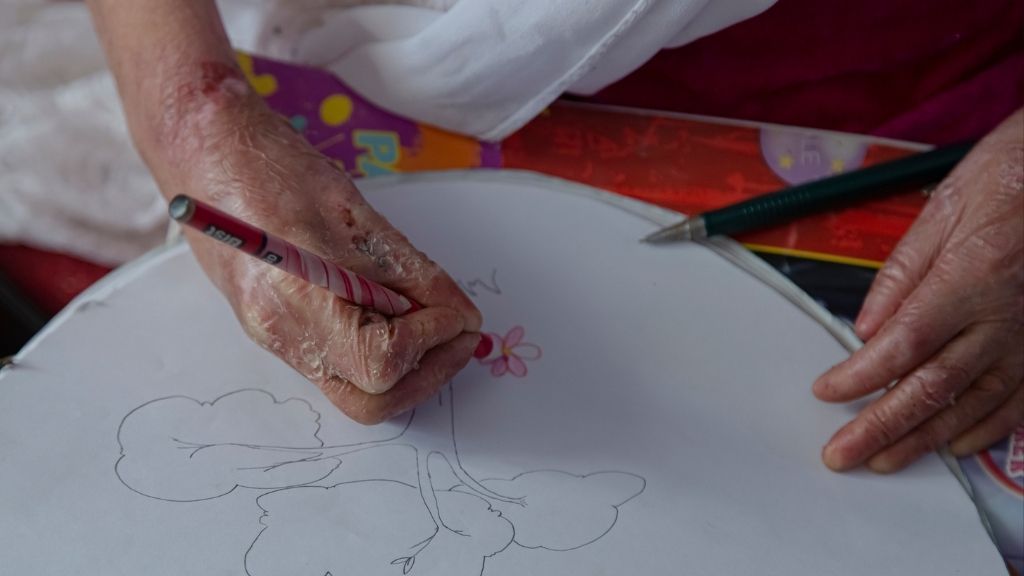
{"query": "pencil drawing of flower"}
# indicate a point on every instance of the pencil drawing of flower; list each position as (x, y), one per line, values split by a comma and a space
(511, 353)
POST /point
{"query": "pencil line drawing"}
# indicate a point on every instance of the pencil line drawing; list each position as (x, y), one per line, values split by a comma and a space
(411, 509)
(471, 287)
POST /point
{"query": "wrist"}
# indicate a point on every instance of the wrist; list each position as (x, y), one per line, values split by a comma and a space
(184, 112)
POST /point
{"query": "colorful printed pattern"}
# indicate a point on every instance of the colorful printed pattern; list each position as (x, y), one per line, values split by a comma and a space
(362, 138)
(681, 163)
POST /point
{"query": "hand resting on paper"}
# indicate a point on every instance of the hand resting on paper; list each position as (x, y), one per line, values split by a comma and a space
(204, 132)
(945, 317)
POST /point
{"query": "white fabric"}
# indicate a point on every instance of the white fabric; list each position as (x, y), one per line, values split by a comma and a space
(486, 67)
(70, 180)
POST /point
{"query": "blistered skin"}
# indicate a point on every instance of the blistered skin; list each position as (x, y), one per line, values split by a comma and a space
(230, 150)
(944, 318)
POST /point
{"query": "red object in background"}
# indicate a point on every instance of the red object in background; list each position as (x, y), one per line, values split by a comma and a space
(935, 71)
(49, 279)
(926, 70)
(693, 166)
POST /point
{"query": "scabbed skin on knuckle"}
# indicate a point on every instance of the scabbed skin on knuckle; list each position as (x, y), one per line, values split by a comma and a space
(936, 386)
(995, 383)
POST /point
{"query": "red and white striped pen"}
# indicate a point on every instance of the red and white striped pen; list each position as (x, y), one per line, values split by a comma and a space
(288, 257)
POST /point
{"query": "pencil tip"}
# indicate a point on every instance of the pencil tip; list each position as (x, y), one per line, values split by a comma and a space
(664, 235)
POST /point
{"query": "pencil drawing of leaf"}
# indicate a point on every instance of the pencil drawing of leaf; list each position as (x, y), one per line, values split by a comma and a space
(372, 523)
(182, 449)
(373, 528)
(562, 511)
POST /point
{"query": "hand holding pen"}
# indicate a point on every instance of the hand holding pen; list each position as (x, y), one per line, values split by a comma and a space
(403, 330)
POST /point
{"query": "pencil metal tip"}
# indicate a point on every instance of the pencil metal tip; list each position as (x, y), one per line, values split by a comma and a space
(658, 237)
(681, 231)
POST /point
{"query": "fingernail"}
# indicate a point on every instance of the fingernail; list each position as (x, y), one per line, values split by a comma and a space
(859, 320)
(860, 326)
(880, 464)
(830, 457)
(820, 388)
(960, 449)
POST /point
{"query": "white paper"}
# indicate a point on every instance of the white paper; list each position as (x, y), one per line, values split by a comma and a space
(664, 425)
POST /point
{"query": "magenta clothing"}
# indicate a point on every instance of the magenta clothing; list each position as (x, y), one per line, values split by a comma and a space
(934, 71)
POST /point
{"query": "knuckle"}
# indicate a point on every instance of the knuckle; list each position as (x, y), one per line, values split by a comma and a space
(880, 427)
(995, 383)
(937, 385)
(260, 324)
(387, 351)
(376, 340)
(949, 188)
(912, 335)
(995, 250)
(897, 266)
(1009, 172)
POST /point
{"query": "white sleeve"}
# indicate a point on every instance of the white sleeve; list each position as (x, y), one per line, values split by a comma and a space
(486, 67)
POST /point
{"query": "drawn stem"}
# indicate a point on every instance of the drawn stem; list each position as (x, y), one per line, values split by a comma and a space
(440, 419)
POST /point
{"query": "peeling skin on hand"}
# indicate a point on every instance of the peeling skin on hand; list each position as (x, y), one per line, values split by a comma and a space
(195, 102)
(254, 166)
(204, 132)
(381, 251)
(355, 344)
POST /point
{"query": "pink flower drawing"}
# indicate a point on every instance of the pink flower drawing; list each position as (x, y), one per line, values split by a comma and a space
(508, 354)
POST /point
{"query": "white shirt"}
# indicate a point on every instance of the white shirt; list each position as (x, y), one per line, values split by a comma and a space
(481, 67)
